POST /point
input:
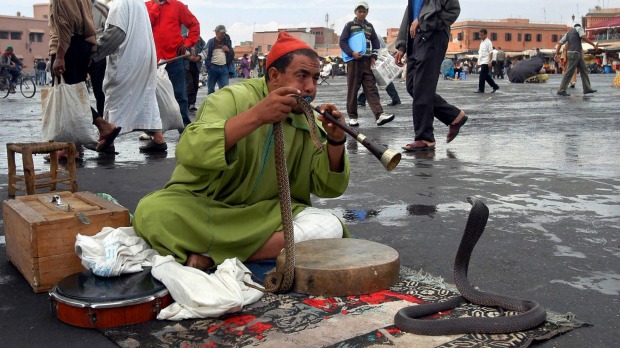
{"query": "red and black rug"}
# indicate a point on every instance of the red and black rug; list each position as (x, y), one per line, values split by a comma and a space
(295, 320)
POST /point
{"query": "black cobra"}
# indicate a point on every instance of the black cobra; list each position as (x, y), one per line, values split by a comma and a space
(530, 313)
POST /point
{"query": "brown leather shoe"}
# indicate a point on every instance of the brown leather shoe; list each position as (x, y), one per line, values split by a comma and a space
(454, 129)
(419, 145)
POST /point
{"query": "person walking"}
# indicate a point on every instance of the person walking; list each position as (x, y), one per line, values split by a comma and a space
(166, 17)
(245, 66)
(72, 40)
(40, 65)
(391, 91)
(501, 60)
(575, 59)
(131, 74)
(254, 66)
(193, 64)
(423, 35)
(485, 59)
(218, 50)
(359, 69)
(96, 69)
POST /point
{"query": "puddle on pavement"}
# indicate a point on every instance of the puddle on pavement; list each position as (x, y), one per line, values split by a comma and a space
(607, 283)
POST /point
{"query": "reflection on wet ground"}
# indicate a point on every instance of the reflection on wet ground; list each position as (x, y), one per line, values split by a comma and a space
(390, 212)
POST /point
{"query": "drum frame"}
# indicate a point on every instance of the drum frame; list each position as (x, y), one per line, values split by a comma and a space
(90, 314)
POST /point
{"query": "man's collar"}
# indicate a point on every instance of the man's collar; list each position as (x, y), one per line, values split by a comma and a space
(355, 20)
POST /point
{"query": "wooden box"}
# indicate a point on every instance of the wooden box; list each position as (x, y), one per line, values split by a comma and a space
(40, 235)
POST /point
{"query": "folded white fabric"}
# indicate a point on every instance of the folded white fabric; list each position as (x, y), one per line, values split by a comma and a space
(201, 295)
(114, 251)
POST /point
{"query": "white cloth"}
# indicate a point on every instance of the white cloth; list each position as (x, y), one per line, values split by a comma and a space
(327, 70)
(131, 73)
(114, 251)
(315, 223)
(201, 295)
(486, 47)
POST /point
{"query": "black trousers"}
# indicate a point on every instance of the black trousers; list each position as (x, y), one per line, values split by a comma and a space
(391, 91)
(485, 76)
(192, 77)
(424, 56)
(96, 70)
(77, 58)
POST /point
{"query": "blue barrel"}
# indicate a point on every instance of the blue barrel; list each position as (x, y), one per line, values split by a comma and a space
(607, 69)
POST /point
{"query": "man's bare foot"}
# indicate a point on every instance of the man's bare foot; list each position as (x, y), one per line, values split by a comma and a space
(458, 118)
(199, 261)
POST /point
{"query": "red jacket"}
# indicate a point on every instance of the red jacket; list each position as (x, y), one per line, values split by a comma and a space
(166, 20)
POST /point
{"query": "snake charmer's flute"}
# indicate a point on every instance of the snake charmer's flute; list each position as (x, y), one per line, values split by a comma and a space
(388, 157)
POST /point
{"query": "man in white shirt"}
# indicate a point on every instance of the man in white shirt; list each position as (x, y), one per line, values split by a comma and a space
(485, 57)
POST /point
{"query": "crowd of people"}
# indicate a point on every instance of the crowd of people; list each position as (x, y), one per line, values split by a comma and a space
(222, 198)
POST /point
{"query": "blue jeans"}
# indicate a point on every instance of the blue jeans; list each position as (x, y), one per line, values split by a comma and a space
(176, 73)
(41, 77)
(219, 74)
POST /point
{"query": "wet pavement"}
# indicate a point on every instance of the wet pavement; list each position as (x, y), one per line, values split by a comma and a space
(546, 166)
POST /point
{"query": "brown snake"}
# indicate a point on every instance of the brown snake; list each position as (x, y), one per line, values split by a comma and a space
(281, 280)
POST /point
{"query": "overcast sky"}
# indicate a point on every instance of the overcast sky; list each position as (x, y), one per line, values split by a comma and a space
(241, 18)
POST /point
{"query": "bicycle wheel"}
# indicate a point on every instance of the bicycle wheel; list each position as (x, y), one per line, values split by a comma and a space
(4, 87)
(27, 87)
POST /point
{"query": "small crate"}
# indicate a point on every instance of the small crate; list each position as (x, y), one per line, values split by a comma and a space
(40, 235)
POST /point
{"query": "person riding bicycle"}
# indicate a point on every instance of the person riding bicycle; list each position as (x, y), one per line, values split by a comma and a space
(9, 60)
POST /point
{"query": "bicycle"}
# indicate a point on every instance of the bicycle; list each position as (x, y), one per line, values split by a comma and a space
(26, 84)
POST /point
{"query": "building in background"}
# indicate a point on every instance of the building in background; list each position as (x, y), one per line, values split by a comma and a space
(513, 35)
(603, 25)
(29, 36)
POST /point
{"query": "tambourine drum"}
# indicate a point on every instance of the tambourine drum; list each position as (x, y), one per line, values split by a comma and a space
(343, 267)
(86, 300)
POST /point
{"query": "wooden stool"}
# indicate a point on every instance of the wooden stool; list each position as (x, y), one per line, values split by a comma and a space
(30, 178)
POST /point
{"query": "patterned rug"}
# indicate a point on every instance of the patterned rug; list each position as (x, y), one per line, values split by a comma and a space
(295, 320)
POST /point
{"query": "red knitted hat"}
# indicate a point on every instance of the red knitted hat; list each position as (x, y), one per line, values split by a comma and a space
(285, 44)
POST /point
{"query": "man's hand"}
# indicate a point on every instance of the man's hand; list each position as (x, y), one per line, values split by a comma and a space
(59, 66)
(333, 131)
(356, 55)
(490, 65)
(372, 62)
(413, 28)
(398, 58)
(182, 50)
(225, 48)
(276, 106)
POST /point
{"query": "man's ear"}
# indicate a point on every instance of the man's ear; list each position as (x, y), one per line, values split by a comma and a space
(274, 74)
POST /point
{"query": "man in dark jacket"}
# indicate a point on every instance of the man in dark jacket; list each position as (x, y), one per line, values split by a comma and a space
(219, 55)
(423, 35)
(9, 60)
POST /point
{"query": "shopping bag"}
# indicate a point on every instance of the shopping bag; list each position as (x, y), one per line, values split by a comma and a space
(169, 110)
(66, 114)
(385, 69)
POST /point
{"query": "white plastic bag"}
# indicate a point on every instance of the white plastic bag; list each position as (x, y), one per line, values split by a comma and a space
(386, 70)
(66, 114)
(168, 107)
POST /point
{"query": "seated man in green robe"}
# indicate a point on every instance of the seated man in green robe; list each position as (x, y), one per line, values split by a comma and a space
(222, 200)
